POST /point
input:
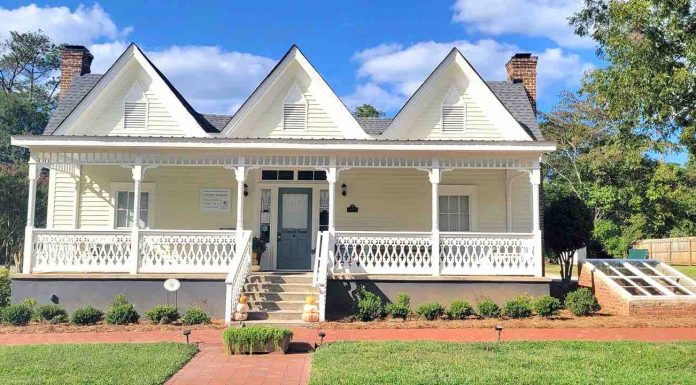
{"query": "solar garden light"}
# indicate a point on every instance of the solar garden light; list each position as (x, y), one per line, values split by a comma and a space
(321, 335)
(499, 330)
(186, 334)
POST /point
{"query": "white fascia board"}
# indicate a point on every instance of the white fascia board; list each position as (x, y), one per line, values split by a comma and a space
(115, 142)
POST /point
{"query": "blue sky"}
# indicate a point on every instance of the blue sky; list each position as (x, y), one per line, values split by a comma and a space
(216, 52)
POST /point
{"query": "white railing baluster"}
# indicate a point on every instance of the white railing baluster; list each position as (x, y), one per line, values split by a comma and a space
(82, 251)
(186, 251)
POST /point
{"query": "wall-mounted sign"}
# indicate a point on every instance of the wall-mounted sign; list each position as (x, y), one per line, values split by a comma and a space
(215, 199)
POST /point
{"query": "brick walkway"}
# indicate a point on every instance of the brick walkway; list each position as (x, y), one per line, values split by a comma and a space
(213, 366)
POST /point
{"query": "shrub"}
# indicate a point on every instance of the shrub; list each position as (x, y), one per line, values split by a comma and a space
(162, 314)
(547, 306)
(87, 315)
(460, 310)
(195, 316)
(253, 338)
(401, 307)
(369, 305)
(5, 287)
(581, 302)
(51, 313)
(488, 309)
(17, 315)
(430, 311)
(520, 307)
(121, 312)
(32, 304)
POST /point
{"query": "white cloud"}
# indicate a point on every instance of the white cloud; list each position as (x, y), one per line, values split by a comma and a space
(84, 25)
(392, 75)
(536, 18)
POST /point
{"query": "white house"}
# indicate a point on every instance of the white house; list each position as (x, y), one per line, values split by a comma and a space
(441, 201)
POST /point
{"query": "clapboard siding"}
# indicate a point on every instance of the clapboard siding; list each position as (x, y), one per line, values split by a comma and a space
(521, 190)
(62, 194)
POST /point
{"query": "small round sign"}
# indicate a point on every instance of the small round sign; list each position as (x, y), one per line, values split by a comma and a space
(172, 284)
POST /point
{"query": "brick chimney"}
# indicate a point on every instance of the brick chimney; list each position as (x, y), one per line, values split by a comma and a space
(75, 60)
(521, 68)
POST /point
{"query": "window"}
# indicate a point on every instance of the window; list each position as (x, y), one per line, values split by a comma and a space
(277, 175)
(125, 203)
(311, 175)
(454, 213)
(453, 112)
(295, 110)
(324, 210)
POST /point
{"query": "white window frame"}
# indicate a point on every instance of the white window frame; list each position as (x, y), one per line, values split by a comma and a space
(136, 94)
(295, 89)
(448, 101)
(149, 188)
(463, 190)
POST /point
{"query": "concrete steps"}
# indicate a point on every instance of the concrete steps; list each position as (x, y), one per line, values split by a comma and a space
(277, 297)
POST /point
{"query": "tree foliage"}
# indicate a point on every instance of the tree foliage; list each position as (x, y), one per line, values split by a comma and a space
(649, 80)
(367, 111)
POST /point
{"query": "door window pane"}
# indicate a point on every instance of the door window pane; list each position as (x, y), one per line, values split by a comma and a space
(295, 211)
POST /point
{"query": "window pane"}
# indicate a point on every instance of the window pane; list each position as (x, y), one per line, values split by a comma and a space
(143, 218)
(286, 175)
(464, 222)
(454, 204)
(121, 218)
(305, 175)
(319, 175)
(131, 199)
(464, 204)
(122, 200)
(143, 200)
(454, 222)
(444, 222)
(444, 207)
(269, 175)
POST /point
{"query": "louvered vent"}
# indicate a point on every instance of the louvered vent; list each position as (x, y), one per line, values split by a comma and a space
(135, 116)
(453, 118)
(294, 116)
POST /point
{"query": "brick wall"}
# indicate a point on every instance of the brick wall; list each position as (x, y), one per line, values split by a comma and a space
(610, 300)
(75, 61)
(522, 68)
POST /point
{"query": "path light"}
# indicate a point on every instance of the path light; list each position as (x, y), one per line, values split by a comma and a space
(321, 335)
(499, 330)
(186, 334)
(344, 189)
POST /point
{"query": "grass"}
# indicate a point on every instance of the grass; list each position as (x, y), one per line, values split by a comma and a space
(555, 270)
(688, 270)
(127, 363)
(519, 363)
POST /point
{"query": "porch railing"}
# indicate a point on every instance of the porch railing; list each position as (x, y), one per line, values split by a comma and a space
(382, 252)
(238, 272)
(112, 251)
(487, 254)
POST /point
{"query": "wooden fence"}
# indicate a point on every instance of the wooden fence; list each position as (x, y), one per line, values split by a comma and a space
(675, 251)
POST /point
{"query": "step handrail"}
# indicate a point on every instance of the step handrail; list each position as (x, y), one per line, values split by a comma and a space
(239, 270)
(321, 270)
(317, 259)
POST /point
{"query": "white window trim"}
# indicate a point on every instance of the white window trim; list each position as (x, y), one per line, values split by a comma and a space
(464, 190)
(130, 187)
(136, 88)
(446, 103)
(295, 87)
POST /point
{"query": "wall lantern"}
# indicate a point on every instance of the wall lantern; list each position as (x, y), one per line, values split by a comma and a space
(344, 189)
(246, 190)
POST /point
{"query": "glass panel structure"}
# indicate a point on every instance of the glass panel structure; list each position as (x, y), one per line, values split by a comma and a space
(645, 277)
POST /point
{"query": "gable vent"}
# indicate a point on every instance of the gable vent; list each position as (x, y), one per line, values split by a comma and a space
(295, 109)
(453, 118)
(135, 116)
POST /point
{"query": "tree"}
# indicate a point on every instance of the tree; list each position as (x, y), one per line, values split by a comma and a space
(568, 226)
(367, 111)
(649, 81)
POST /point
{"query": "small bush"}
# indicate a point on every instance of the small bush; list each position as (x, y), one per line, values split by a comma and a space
(162, 314)
(195, 316)
(488, 309)
(5, 287)
(32, 304)
(87, 315)
(401, 307)
(520, 307)
(460, 310)
(17, 315)
(430, 311)
(581, 302)
(369, 305)
(253, 338)
(547, 306)
(121, 312)
(51, 313)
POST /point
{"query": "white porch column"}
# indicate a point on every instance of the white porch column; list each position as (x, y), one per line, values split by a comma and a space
(435, 176)
(137, 171)
(240, 176)
(31, 212)
(535, 179)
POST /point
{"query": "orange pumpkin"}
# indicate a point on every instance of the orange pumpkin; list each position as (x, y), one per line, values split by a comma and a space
(243, 299)
(310, 317)
(310, 300)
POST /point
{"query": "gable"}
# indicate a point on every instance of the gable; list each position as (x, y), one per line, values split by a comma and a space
(455, 81)
(292, 84)
(131, 99)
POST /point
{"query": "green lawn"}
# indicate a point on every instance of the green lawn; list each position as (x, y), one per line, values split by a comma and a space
(518, 363)
(92, 363)
(688, 270)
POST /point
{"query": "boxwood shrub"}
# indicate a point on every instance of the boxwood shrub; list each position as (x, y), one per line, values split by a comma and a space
(430, 311)
(17, 314)
(460, 310)
(162, 314)
(369, 305)
(547, 306)
(581, 302)
(51, 313)
(488, 309)
(121, 312)
(253, 338)
(401, 307)
(520, 307)
(5, 287)
(87, 315)
(195, 316)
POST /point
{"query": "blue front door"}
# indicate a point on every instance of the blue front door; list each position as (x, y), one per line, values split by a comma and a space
(294, 228)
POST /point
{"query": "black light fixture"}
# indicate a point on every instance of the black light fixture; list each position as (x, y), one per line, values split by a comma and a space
(246, 190)
(344, 189)
(321, 335)
(186, 334)
(499, 330)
